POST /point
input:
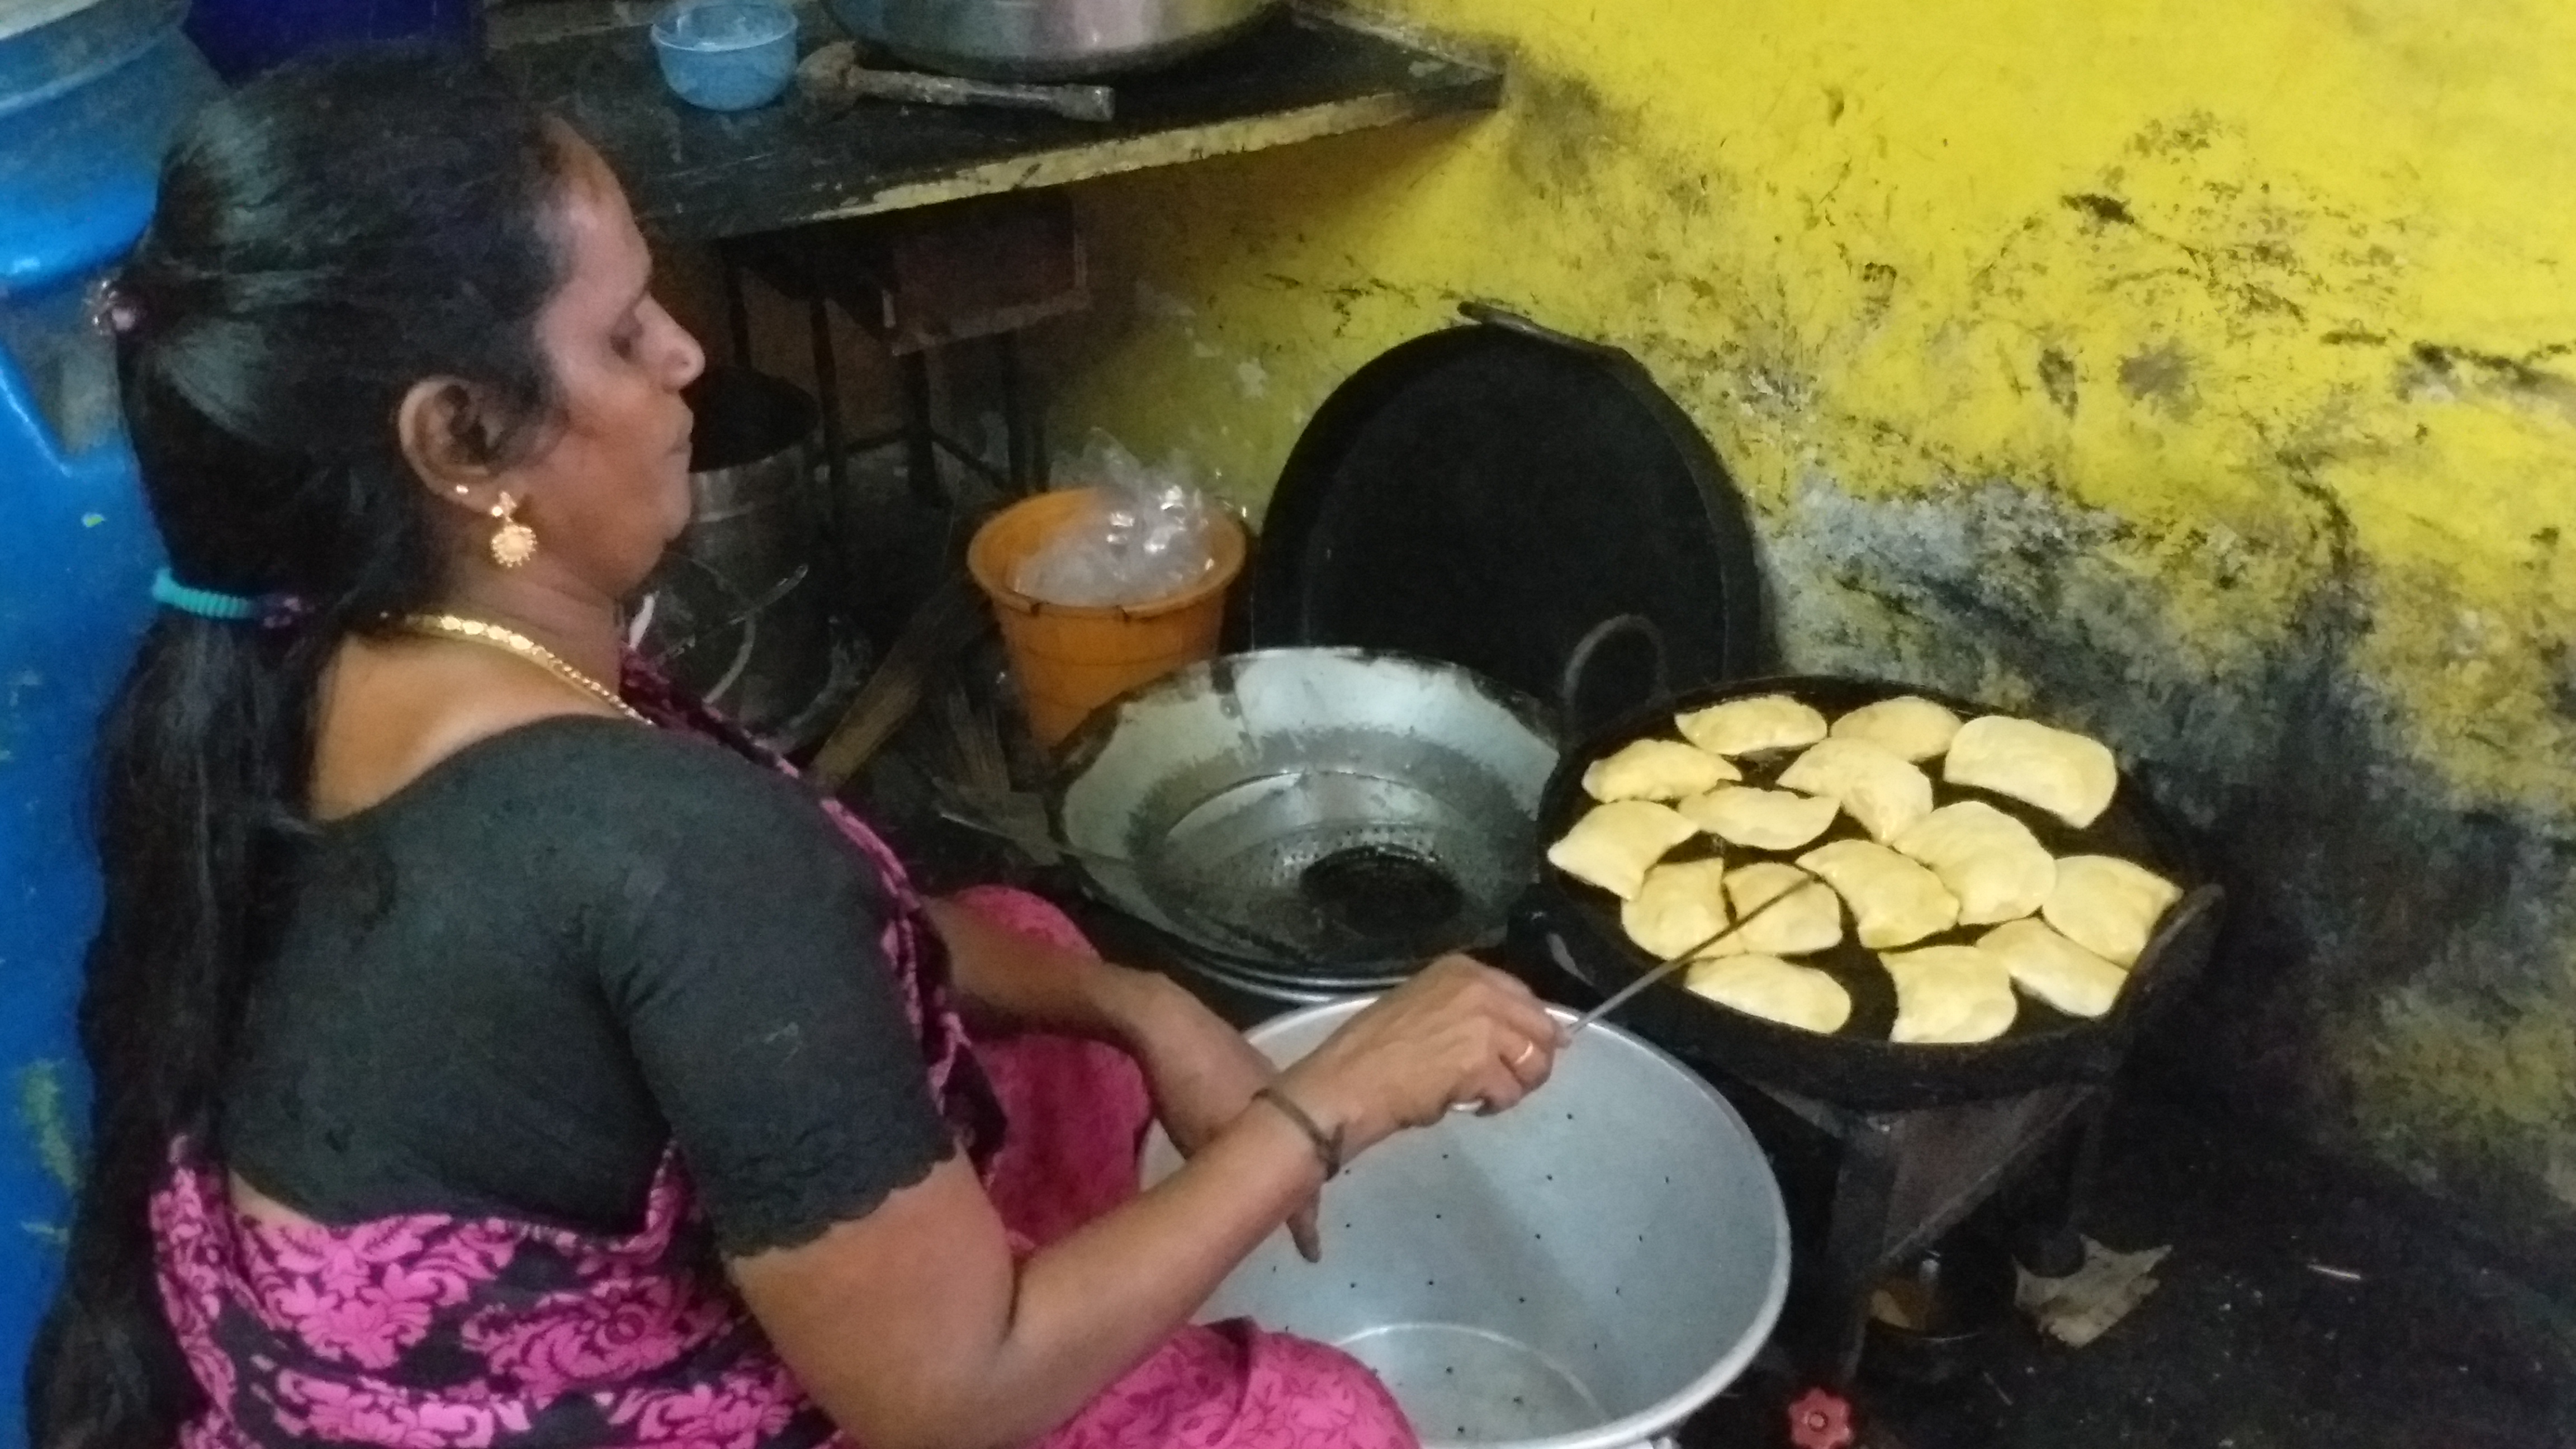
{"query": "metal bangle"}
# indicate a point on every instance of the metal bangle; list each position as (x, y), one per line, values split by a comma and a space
(1328, 1145)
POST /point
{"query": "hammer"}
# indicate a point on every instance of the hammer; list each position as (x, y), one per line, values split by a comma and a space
(834, 76)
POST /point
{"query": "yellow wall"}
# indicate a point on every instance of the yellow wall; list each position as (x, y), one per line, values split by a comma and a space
(2203, 370)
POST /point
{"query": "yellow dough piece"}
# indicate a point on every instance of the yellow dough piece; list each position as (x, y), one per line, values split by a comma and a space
(1990, 861)
(1775, 990)
(1751, 887)
(1805, 919)
(1894, 902)
(2071, 776)
(1750, 726)
(1677, 909)
(2108, 906)
(1951, 995)
(1884, 793)
(1908, 728)
(1612, 844)
(1656, 770)
(1760, 819)
(2055, 969)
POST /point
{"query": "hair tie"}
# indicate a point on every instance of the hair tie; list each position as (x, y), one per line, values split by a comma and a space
(112, 310)
(204, 603)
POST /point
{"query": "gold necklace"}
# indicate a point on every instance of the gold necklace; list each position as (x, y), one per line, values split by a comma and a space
(475, 631)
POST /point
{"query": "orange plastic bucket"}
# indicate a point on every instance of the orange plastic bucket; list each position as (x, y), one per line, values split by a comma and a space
(1070, 660)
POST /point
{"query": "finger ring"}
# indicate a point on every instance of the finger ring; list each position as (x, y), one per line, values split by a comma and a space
(1528, 1049)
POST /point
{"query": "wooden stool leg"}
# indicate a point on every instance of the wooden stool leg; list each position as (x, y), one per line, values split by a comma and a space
(827, 383)
(1023, 422)
(737, 312)
(920, 441)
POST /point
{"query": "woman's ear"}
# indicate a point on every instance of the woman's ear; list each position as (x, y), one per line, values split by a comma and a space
(447, 438)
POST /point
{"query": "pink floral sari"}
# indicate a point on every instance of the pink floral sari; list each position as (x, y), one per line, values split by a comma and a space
(432, 1332)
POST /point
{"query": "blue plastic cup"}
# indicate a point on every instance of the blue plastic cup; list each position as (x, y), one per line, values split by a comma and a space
(727, 55)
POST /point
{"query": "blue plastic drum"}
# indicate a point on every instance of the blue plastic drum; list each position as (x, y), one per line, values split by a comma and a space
(90, 91)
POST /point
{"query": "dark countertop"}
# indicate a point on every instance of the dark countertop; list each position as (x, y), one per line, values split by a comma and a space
(696, 174)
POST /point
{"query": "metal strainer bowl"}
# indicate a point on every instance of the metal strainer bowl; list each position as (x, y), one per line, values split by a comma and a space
(1582, 1272)
(1330, 815)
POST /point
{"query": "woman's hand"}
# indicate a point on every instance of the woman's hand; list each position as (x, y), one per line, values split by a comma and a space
(1202, 1075)
(1457, 1034)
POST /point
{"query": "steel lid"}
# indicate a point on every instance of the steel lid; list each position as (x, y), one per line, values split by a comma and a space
(1490, 495)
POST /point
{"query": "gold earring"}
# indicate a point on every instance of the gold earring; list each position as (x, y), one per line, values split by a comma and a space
(513, 543)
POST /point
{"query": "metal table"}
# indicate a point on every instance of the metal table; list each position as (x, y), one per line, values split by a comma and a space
(698, 175)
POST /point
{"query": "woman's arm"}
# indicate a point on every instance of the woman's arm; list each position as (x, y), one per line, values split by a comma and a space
(1014, 981)
(778, 1050)
(914, 1328)
(1200, 1071)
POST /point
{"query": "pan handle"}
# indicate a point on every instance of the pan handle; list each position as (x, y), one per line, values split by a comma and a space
(1580, 699)
(1488, 314)
(2180, 952)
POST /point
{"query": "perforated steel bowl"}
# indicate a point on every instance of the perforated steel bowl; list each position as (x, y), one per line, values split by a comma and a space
(1580, 1273)
(1332, 816)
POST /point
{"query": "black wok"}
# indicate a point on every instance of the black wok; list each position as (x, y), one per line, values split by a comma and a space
(1578, 927)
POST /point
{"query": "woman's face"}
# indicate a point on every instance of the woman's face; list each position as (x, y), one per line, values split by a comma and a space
(609, 488)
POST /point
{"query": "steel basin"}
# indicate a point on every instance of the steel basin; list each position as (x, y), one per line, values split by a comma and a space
(1581, 1273)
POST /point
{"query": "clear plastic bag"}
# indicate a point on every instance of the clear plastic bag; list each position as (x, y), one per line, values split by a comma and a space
(1149, 536)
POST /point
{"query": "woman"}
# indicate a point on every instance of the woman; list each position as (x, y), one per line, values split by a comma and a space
(477, 1065)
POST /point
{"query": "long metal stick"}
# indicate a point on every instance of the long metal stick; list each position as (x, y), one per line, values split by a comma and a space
(1669, 965)
(1619, 998)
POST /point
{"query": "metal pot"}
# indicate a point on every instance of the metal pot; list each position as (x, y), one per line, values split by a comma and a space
(1043, 40)
(1942, 1314)
(1310, 821)
(1582, 1273)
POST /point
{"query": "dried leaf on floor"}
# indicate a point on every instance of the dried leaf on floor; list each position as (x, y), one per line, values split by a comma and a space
(2079, 1308)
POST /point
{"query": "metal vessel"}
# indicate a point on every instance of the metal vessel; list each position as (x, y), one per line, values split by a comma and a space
(1324, 819)
(740, 611)
(1582, 1272)
(1042, 40)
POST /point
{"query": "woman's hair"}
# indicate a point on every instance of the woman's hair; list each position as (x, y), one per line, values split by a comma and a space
(326, 238)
